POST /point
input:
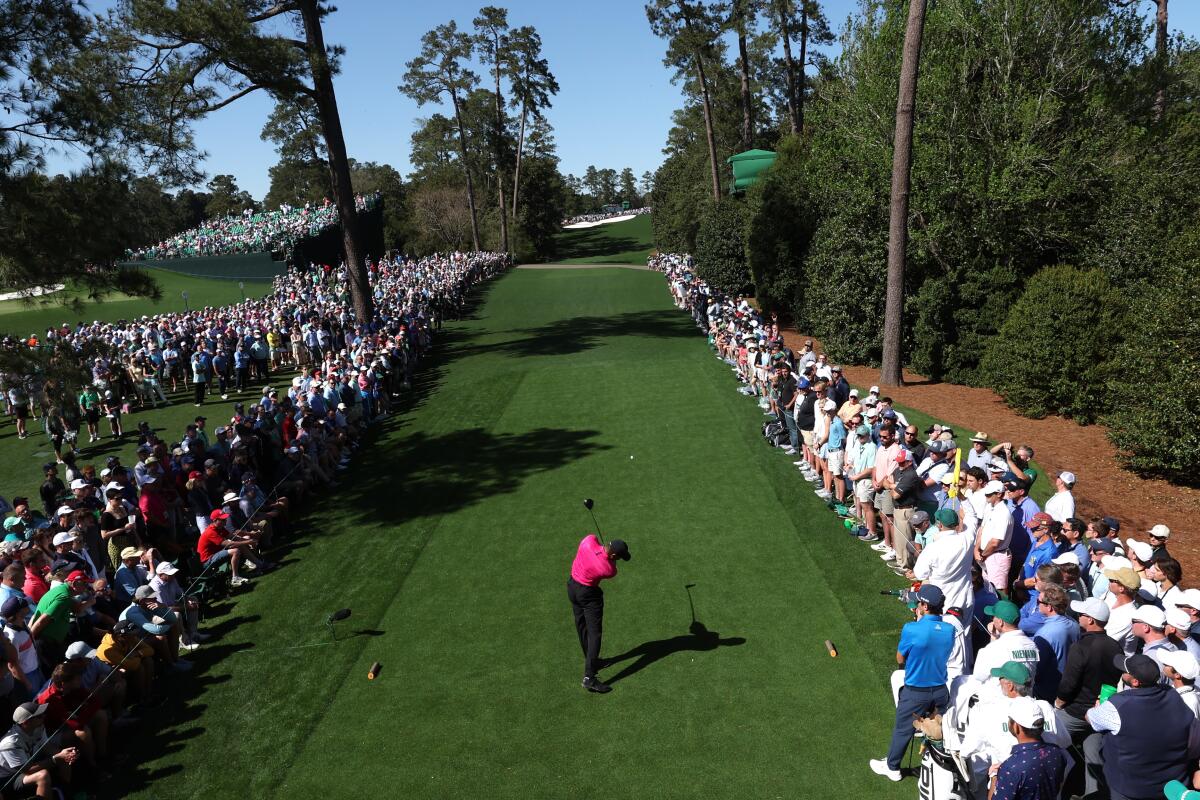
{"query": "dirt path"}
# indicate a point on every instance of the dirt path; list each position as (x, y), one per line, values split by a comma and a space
(1104, 489)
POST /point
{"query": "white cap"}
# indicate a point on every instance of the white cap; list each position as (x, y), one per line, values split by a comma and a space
(63, 510)
(1068, 557)
(829, 405)
(1115, 562)
(1160, 531)
(1142, 550)
(1094, 607)
(874, 390)
(1067, 477)
(854, 392)
(63, 537)
(993, 487)
(948, 477)
(1025, 711)
(1182, 662)
(80, 650)
(1178, 619)
(1151, 615)
(79, 483)
(166, 568)
(1189, 598)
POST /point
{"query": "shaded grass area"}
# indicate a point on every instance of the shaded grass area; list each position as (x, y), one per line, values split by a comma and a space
(450, 539)
(628, 242)
(20, 318)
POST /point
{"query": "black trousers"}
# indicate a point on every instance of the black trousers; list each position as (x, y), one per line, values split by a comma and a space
(587, 602)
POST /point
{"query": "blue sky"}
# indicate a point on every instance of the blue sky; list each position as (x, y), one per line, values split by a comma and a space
(613, 110)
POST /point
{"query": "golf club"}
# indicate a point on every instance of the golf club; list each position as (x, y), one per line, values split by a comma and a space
(588, 504)
(687, 587)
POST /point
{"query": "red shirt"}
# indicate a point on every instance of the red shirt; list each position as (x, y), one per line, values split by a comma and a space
(210, 542)
(592, 564)
(61, 704)
(154, 508)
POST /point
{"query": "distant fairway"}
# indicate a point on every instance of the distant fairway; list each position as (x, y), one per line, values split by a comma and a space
(450, 539)
(628, 242)
(21, 319)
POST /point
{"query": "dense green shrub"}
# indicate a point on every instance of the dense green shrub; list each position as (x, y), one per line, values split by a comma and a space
(782, 220)
(1053, 354)
(1155, 420)
(721, 246)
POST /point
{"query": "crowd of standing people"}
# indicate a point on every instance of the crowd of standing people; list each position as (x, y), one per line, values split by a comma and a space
(275, 231)
(105, 574)
(1048, 653)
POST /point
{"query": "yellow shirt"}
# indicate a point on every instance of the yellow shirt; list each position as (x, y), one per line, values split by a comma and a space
(111, 652)
(274, 339)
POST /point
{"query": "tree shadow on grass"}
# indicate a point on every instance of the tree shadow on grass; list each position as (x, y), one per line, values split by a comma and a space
(698, 639)
(595, 243)
(579, 334)
(423, 475)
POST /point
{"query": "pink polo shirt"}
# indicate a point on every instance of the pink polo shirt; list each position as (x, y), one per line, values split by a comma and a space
(592, 564)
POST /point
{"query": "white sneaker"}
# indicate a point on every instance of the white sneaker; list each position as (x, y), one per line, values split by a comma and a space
(238, 581)
(187, 648)
(789, 450)
(224, 397)
(799, 463)
(824, 495)
(879, 546)
(888, 554)
(879, 767)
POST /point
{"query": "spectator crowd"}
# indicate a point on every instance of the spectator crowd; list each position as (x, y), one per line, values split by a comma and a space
(105, 576)
(1049, 655)
(275, 231)
(603, 215)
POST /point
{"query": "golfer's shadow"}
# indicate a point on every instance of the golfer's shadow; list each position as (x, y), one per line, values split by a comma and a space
(698, 639)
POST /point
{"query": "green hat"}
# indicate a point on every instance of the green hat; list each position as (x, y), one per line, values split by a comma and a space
(1015, 671)
(947, 517)
(863, 430)
(1006, 610)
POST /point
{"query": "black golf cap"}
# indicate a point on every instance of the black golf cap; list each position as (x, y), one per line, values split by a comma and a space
(619, 549)
(1142, 667)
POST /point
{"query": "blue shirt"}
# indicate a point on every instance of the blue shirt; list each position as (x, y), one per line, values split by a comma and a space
(1040, 554)
(926, 645)
(837, 434)
(1032, 771)
(1053, 639)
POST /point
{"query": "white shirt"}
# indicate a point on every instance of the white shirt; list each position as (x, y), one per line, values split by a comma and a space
(946, 563)
(997, 525)
(1009, 646)
(1191, 697)
(1061, 506)
(960, 655)
(1120, 625)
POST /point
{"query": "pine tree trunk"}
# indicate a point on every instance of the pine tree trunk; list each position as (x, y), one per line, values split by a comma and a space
(708, 130)
(499, 146)
(462, 149)
(893, 318)
(789, 71)
(1160, 55)
(517, 169)
(802, 84)
(339, 163)
(747, 100)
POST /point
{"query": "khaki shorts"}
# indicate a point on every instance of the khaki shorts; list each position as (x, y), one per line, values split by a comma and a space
(864, 490)
(836, 459)
(808, 438)
(884, 502)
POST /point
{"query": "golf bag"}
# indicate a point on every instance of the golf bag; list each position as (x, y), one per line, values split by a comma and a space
(941, 776)
(775, 433)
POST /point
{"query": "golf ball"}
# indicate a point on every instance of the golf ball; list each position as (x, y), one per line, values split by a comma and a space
(631, 458)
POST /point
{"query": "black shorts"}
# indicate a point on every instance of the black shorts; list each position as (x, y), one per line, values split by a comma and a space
(92, 415)
(21, 412)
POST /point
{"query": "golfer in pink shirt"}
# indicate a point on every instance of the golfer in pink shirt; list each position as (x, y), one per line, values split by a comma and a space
(593, 563)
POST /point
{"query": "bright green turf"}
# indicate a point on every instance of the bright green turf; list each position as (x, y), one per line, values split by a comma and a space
(21, 319)
(451, 540)
(628, 242)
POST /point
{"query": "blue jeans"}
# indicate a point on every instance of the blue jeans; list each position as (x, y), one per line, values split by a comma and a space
(792, 428)
(914, 702)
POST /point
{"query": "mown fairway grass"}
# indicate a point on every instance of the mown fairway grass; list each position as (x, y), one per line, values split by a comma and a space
(450, 539)
(19, 318)
(628, 242)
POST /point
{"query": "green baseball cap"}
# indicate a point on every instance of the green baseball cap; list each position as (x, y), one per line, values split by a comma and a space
(1005, 609)
(946, 516)
(1015, 671)
(863, 430)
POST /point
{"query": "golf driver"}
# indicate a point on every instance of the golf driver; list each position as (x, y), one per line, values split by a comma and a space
(588, 504)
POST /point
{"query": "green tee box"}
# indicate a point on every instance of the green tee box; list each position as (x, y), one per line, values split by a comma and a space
(748, 166)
